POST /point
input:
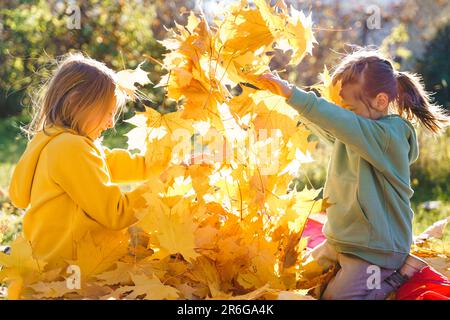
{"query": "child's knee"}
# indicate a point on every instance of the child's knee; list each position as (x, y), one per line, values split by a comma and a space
(340, 290)
(350, 282)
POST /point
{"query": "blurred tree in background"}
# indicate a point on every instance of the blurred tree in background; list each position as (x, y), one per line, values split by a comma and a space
(34, 33)
(413, 33)
(435, 66)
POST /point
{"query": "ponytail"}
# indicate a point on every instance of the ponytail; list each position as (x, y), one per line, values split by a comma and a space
(414, 102)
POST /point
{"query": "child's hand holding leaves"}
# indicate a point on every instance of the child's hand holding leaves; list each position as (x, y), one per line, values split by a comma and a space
(276, 85)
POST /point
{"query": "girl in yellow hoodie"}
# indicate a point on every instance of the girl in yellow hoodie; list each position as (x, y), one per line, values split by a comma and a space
(66, 179)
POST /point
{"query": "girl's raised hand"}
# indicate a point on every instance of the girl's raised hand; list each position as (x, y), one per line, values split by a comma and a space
(276, 85)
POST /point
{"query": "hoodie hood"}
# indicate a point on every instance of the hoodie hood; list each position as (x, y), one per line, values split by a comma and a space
(22, 178)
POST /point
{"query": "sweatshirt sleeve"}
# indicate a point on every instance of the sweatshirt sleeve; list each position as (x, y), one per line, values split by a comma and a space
(318, 131)
(125, 167)
(79, 169)
(365, 136)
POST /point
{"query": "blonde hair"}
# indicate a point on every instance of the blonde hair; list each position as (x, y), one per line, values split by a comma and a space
(405, 90)
(79, 88)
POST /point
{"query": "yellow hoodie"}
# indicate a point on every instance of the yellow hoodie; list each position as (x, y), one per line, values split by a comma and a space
(67, 182)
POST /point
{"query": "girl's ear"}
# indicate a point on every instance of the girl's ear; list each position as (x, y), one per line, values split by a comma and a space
(381, 101)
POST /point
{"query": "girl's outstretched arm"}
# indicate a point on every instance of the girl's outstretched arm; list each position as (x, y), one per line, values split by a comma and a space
(126, 167)
(370, 138)
(276, 85)
(318, 131)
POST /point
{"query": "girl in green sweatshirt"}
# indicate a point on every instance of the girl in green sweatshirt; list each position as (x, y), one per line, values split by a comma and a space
(369, 227)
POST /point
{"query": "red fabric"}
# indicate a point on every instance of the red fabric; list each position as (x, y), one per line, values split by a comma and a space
(313, 230)
(427, 284)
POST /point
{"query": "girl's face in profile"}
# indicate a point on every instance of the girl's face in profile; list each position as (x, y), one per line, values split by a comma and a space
(101, 122)
(349, 93)
(354, 101)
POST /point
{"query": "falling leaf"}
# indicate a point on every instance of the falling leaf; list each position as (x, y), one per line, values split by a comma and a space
(126, 80)
(330, 90)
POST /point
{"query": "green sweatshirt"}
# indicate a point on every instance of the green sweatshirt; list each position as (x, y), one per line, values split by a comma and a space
(368, 179)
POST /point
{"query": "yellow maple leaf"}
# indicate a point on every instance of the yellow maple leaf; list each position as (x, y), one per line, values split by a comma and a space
(156, 134)
(122, 274)
(205, 271)
(20, 267)
(244, 30)
(243, 104)
(148, 288)
(51, 290)
(262, 270)
(97, 254)
(300, 140)
(126, 80)
(299, 35)
(274, 113)
(291, 29)
(194, 70)
(295, 207)
(171, 224)
(330, 90)
(199, 174)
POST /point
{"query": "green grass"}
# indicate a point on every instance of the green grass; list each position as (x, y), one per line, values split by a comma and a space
(12, 145)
